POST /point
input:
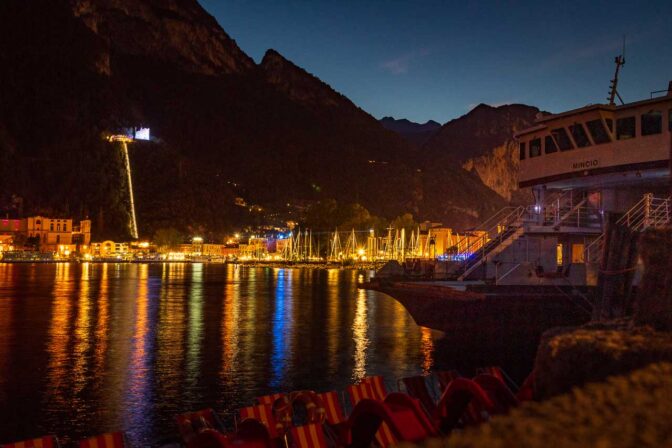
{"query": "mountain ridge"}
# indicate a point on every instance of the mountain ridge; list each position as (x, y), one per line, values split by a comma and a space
(416, 133)
(72, 72)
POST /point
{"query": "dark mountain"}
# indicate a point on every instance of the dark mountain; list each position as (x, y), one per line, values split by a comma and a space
(74, 71)
(415, 133)
(482, 142)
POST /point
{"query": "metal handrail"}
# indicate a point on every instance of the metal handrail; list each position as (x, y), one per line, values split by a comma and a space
(510, 219)
(647, 212)
(484, 225)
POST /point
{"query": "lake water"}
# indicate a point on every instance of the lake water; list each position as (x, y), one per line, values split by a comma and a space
(90, 348)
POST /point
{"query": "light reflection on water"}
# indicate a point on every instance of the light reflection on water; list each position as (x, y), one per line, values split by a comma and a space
(88, 348)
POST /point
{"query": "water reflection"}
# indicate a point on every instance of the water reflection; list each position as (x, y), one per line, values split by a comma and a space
(230, 327)
(195, 324)
(60, 334)
(360, 328)
(98, 347)
(427, 349)
(6, 334)
(281, 335)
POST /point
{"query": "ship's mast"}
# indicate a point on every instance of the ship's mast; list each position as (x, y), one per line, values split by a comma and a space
(613, 91)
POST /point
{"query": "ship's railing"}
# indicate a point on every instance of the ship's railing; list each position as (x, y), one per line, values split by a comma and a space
(648, 212)
(562, 209)
(487, 230)
(579, 216)
(498, 228)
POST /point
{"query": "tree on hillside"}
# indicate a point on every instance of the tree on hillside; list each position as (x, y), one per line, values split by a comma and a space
(406, 222)
(168, 238)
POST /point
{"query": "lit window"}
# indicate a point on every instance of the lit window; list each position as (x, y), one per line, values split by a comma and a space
(597, 131)
(549, 145)
(564, 143)
(579, 134)
(625, 128)
(652, 122)
(577, 253)
(558, 254)
(535, 147)
(522, 150)
(58, 227)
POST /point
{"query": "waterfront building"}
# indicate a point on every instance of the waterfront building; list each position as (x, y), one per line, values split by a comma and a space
(56, 235)
(110, 249)
(6, 243)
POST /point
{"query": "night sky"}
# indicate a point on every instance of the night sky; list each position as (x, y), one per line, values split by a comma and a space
(436, 60)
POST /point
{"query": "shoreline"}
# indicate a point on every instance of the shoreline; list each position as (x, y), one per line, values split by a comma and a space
(246, 263)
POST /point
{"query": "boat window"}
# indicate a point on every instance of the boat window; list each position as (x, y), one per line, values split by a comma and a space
(579, 134)
(535, 147)
(522, 150)
(564, 143)
(577, 253)
(610, 124)
(549, 145)
(625, 128)
(597, 131)
(652, 122)
(558, 254)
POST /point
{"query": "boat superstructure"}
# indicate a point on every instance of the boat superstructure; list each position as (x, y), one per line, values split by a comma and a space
(586, 167)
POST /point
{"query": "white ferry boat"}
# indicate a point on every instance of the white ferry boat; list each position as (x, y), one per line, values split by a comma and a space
(586, 167)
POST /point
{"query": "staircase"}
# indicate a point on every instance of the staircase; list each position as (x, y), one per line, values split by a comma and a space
(501, 231)
(648, 212)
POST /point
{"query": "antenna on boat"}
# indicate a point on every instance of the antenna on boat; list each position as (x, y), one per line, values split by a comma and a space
(613, 92)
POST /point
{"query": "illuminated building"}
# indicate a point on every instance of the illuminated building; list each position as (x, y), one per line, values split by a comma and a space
(57, 234)
(110, 249)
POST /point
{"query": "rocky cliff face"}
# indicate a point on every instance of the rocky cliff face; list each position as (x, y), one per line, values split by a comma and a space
(177, 32)
(300, 85)
(498, 169)
(482, 142)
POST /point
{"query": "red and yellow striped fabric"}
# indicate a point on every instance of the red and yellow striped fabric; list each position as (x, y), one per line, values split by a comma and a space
(332, 407)
(378, 386)
(109, 440)
(191, 422)
(364, 390)
(264, 414)
(42, 442)
(358, 392)
(308, 436)
(269, 399)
